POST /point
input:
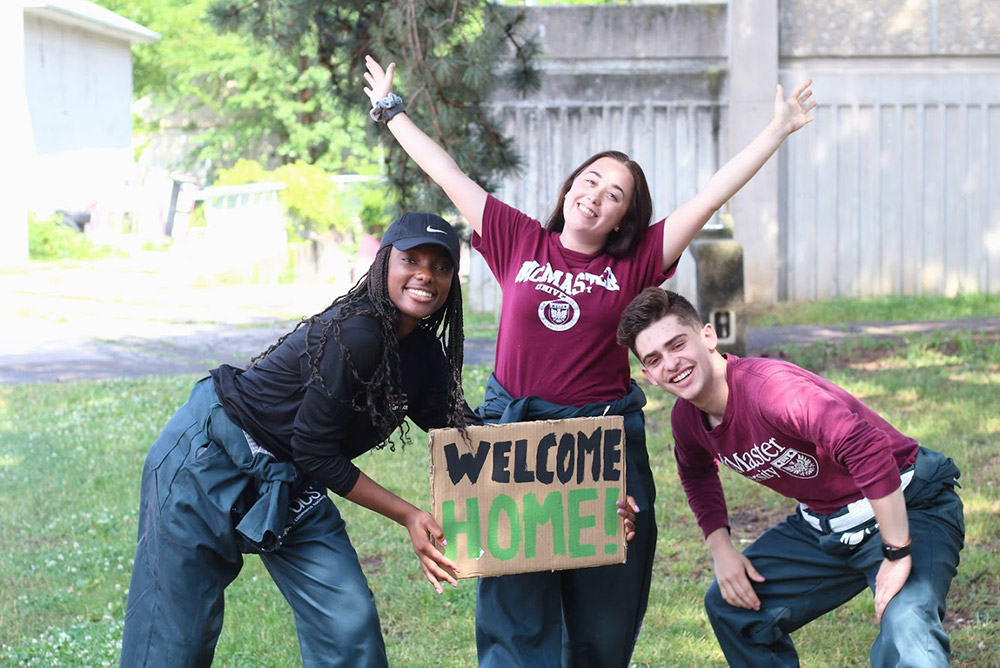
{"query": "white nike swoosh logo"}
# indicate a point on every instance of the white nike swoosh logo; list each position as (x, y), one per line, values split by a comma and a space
(431, 229)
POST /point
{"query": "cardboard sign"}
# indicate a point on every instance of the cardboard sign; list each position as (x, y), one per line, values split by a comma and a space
(530, 496)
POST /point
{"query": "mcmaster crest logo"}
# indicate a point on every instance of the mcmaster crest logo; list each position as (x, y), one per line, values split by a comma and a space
(562, 311)
(559, 314)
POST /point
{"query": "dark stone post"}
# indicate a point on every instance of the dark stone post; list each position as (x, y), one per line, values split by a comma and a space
(719, 294)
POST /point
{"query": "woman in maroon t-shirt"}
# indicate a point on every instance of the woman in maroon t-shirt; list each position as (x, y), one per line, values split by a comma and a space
(572, 279)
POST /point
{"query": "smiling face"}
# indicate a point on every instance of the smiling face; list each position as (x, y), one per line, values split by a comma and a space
(595, 204)
(419, 280)
(683, 361)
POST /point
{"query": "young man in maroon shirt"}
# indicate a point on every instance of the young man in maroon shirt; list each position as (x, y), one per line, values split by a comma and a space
(875, 508)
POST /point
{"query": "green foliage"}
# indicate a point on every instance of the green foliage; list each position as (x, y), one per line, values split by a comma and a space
(313, 200)
(250, 100)
(310, 198)
(49, 239)
(282, 82)
(452, 56)
(377, 202)
(243, 171)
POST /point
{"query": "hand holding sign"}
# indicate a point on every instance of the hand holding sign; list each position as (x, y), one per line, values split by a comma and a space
(627, 510)
(426, 534)
(424, 529)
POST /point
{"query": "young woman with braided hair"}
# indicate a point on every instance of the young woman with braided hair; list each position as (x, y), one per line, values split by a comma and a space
(371, 294)
(244, 465)
(564, 285)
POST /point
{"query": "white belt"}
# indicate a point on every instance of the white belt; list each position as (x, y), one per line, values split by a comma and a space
(858, 512)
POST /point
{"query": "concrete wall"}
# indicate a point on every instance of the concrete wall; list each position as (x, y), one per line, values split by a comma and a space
(895, 189)
(890, 28)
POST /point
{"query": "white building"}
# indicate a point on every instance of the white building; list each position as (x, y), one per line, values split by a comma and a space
(68, 71)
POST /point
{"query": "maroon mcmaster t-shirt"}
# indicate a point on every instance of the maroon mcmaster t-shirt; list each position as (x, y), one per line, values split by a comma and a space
(790, 430)
(561, 308)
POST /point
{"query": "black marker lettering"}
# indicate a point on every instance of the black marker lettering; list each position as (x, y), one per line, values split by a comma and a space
(466, 464)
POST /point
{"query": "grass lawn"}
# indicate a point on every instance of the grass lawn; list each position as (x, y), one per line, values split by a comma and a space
(876, 309)
(71, 456)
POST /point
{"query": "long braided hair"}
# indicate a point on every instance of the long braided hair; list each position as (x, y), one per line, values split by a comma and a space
(370, 295)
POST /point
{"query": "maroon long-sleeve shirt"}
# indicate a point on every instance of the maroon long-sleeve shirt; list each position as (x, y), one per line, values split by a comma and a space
(793, 431)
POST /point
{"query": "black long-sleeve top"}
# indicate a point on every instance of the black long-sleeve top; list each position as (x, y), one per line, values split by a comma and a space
(297, 420)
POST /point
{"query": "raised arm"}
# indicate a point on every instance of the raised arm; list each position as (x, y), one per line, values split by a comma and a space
(467, 195)
(686, 221)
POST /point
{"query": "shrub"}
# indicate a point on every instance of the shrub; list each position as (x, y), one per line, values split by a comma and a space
(313, 202)
(49, 239)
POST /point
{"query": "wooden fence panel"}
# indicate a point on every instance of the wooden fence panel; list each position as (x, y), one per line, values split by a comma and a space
(894, 188)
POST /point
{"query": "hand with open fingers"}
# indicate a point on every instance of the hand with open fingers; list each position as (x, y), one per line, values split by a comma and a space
(891, 577)
(426, 535)
(792, 113)
(379, 80)
(734, 573)
(627, 510)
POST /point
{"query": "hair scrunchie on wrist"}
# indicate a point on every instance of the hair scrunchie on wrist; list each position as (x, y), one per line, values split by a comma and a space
(386, 108)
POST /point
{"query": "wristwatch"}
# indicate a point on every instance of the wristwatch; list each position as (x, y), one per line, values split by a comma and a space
(893, 553)
(386, 108)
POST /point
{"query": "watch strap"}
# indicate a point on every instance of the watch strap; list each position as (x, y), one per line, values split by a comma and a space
(893, 553)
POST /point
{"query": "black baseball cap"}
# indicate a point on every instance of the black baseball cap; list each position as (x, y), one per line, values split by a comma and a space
(417, 228)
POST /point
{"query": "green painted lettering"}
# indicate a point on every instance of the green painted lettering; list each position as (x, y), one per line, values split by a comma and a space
(537, 514)
(504, 504)
(453, 527)
(578, 523)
